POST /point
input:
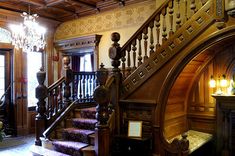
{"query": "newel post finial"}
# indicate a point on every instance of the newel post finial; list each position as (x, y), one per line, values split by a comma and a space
(115, 51)
(68, 74)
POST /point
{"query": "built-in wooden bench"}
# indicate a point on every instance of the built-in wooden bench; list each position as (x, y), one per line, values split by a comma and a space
(196, 139)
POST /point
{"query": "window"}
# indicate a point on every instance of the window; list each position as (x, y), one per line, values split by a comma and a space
(2, 75)
(33, 65)
(85, 63)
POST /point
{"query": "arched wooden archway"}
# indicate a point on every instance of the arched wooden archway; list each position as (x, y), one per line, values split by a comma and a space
(203, 48)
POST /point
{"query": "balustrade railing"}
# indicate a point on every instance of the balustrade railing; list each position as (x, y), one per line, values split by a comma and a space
(83, 86)
(53, 100)
(162, 25)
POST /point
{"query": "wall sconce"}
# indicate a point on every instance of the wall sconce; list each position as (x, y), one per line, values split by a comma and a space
(223, 82)
(212, 82)
(220, 84)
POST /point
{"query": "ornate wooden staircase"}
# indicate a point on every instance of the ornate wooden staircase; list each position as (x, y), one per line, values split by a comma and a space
(151, 55)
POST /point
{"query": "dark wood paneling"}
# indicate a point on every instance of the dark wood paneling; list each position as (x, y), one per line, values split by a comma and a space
(139, 110)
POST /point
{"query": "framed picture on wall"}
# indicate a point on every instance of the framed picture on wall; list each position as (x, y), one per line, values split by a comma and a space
(135, 129)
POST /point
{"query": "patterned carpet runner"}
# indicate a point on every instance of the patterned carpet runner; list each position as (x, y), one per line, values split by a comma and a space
(77, 137)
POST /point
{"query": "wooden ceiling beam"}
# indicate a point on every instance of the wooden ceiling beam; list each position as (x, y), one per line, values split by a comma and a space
(39, 3)
(81, 3)
(54, 2)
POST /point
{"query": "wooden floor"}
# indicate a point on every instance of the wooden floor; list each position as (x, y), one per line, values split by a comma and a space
(17, 146)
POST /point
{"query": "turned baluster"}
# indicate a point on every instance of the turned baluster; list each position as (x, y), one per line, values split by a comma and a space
(178, 19)
(158, 31)
(145, 31)
(90, 86)
(151, 25)
(123, 59)
(102, 98)
(128, 61)
(80, 86)
(193, 7)
(74, 88)
(60, 97)
(134, 53)
(171, 11)
(83, 87)
(87, 86)
(140, 50)
(40, 119)
(164, 33)
(185, 10)
(68, 79)
(203, 2)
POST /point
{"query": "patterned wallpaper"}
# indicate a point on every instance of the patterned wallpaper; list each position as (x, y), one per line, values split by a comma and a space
(5, 36)
(118, 18)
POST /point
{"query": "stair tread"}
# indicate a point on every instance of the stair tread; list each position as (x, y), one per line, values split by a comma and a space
(85, 119)
(70, 144)
(44, 151)
(77, 130)
(88, 148)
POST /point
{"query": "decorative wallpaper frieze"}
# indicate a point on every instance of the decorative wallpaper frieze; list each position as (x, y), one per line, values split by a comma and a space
(122, 17)
(5, 36)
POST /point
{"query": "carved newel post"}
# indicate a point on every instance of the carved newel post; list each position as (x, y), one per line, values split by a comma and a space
(41, 94)
(184, 144)
(115, 54)
(102, 98)
(68, 74)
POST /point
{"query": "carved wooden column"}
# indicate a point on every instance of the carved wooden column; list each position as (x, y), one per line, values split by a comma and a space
(102, 98)
(115, 54)
(225, 125)
(68, 74)
(41, 94)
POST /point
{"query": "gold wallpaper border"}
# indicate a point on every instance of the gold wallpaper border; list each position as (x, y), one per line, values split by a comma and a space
(132, 15)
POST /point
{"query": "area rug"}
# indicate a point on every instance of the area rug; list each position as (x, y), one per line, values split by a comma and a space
(11, 142)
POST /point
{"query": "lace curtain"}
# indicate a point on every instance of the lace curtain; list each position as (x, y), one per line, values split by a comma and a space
(5, 36)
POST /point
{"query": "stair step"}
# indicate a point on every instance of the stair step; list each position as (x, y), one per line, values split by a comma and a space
(92, 139)
(88, 113)
(76, 134)
(69, 147)
(88, 151)
(39, 151)
(84, 123)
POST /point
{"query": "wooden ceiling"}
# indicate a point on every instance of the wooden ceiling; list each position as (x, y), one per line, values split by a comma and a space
(63, 10)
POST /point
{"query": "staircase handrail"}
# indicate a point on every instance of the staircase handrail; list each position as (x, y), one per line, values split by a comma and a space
(154, 33)
(144, 25)
(56, 84)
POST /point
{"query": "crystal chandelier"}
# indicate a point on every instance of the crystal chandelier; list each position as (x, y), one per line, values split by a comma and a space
(29, 35)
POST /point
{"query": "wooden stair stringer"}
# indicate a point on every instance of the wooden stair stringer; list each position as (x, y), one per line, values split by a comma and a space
(182, 37)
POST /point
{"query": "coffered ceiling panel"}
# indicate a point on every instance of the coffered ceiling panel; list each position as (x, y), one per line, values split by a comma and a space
(63, 10)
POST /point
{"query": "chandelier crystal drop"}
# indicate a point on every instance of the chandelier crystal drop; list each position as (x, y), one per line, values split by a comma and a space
(29, 35)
